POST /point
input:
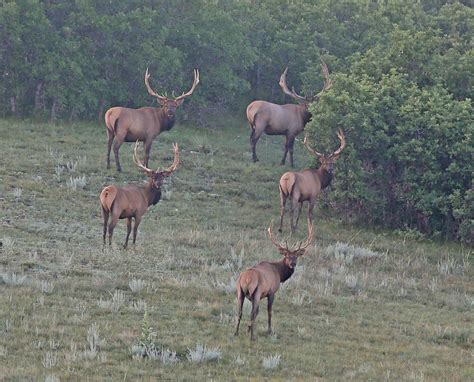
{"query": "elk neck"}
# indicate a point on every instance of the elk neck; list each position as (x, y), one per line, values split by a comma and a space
(324, 176)
(305, 114)
(284, 270)
(166, 123)
(152, 193)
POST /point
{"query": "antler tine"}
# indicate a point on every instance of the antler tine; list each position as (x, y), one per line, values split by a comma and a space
(311, 150)
(285, 89)
(150, 90)
(173, 167)
(195, 82)
(137, 160)
(342, 138)
(270, 235)
(327, 81)
(309, 240)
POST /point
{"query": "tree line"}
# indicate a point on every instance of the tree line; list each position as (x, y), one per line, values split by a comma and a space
(402, 74)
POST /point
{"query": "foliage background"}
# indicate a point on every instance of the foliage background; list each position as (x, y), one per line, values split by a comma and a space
(402, 73)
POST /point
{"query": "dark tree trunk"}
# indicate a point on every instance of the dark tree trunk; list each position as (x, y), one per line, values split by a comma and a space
(13, 104)
(54, 110)
(39, 102)
(101, 110)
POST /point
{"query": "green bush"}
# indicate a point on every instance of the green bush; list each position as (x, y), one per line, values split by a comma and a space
(408, 162)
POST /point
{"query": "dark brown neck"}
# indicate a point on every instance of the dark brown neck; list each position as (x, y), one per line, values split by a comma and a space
(305, 114)
(166, 123)
(153, 194)
(324, 176)
(284, 270)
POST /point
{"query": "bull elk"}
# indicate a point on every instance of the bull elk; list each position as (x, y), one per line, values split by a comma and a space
(132, 201)
(288, 120)
(307, 184)
(263, 280)
(144, 124)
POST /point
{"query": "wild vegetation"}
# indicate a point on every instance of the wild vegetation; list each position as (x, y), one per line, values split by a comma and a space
(361, 305)
(401, 70)
(365, 302)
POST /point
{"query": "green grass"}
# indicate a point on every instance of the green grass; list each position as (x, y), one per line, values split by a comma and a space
(384, 307)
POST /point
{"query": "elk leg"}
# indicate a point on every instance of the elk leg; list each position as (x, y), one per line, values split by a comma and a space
(294, 200)
(135, 228)
(129, 229)
(109, 146)
(287, 146)
(113, 223)
(310, 212)
(105, 214)
(253, 314)
(117, 145)
(240, 303)
(253, 144)
(147, 147)
(291, 143)
(292, 211)
(269, 310)
(300, 206)
(283, 199)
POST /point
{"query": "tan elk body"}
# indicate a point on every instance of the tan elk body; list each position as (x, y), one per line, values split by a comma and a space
(305, 186)
(132, 201)
(263, 280)
(145, 124)
(288, 120)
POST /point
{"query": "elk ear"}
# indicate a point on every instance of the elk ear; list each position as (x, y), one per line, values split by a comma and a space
(179, 102)
(283, 252)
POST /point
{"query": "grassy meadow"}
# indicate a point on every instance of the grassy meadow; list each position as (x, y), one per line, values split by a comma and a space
(362, 304)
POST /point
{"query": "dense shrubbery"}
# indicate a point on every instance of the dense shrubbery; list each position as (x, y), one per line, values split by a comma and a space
(402, 75)
(409, 157)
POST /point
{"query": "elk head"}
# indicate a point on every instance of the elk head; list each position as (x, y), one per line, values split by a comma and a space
(291, 255)
(169, 105)
(157, 177)
(327, 162)
(306, 100)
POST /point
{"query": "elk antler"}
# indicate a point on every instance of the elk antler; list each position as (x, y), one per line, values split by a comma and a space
(150, 90)
(309, 240)
(311, 150)
(327, 81)
(276, 243)
(302, 245)
(139, 163)
(195, 82)
(287, 91)
(342, 138)
(173, 167)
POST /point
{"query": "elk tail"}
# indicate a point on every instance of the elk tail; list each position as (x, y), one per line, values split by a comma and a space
(111, 121)
(249, 283)
(287, 183)
(107, 197)
(252, 125)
